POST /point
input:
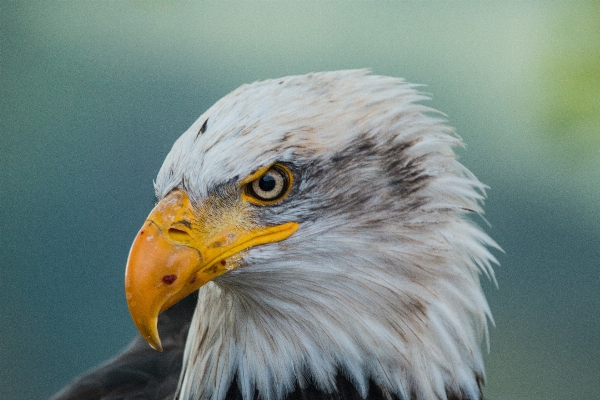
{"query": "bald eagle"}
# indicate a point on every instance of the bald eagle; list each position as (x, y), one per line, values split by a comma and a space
(311, 240)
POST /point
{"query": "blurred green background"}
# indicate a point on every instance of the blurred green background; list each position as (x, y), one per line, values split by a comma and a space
(94, 93)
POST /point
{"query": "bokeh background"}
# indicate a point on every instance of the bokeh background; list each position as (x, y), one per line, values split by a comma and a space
(94, 93)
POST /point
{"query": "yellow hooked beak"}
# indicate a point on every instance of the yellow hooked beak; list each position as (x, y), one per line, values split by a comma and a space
(178, 250)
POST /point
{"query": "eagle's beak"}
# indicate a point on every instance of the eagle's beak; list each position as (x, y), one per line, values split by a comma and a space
(178, 250)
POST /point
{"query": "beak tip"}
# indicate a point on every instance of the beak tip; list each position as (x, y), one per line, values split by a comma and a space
(149, 331)
(154, 343)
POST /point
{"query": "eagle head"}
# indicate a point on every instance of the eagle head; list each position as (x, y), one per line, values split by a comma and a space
(324, 221)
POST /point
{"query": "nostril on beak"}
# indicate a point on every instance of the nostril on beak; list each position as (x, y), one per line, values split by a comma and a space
(177, 235)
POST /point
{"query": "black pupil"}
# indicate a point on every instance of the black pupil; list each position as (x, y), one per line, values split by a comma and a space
(266, 183)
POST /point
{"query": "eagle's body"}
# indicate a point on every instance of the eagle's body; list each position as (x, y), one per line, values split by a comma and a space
(370, 291)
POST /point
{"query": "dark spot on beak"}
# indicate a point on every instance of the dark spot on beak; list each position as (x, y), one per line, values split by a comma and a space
(169, 279)
(193, 279)
(223, 262)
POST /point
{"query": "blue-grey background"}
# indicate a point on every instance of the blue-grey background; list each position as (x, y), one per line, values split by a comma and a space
(94, 93)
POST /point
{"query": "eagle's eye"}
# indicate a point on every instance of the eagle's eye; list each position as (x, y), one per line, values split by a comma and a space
(270, 187)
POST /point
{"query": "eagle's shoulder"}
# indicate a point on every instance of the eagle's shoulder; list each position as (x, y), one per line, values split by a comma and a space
(140, 372)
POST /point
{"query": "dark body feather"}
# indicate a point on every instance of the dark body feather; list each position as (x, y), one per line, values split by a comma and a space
(345, 391)
(141, 373)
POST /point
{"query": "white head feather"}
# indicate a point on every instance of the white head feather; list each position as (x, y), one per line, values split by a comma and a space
(380, 282)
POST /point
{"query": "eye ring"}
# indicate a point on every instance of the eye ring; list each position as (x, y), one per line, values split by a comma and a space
(270, 187)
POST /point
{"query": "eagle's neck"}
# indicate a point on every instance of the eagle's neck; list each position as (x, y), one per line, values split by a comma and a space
(414, 332)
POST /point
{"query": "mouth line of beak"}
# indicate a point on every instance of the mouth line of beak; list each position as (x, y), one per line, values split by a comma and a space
(267, 235)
